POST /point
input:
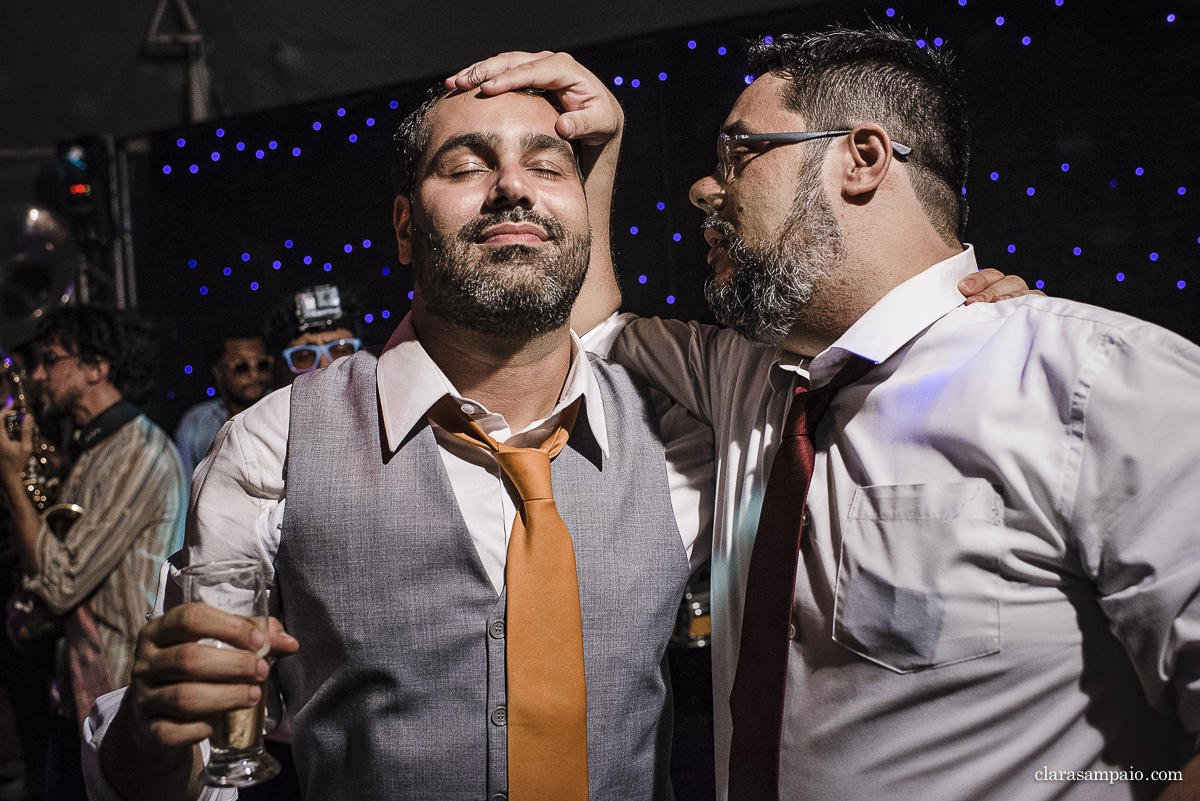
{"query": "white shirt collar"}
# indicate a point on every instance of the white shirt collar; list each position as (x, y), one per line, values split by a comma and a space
(409, 383)
(899, 316)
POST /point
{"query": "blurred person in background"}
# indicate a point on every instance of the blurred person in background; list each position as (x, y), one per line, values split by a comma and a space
(241, 369)
(101, 576)
(311, 328)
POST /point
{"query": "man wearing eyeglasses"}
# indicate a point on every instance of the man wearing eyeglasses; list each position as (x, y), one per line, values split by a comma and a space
(991, 589)
(311, 328)
(241, 370)
(100, 574)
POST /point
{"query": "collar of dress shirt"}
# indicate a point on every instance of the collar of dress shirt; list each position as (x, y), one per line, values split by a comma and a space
(410, 382)
(899, 316)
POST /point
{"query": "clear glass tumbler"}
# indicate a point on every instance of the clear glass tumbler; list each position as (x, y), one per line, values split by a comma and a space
(238, 757)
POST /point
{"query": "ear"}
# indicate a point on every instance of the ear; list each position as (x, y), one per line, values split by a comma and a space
(97, 372)
(870, 159)
(402, 221)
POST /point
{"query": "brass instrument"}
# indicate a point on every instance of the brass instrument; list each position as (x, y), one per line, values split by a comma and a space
(38, 261)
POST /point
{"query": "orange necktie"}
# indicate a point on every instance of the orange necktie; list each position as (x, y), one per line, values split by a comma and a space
(547, 690)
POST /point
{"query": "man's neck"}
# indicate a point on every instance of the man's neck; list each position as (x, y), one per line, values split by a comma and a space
(519, 379)
(866, 276)
(89, 405)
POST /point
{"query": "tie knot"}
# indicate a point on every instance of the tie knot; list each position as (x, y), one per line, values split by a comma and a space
(529, 471)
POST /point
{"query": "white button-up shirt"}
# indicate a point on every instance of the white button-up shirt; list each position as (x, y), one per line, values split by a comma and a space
(1012, 485)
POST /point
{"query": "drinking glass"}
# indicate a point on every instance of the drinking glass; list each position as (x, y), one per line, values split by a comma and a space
(238, 758)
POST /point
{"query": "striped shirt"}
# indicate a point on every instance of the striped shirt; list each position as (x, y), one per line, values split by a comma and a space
(131, 488)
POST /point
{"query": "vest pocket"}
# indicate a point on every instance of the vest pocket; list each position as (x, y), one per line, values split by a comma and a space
(918, 582)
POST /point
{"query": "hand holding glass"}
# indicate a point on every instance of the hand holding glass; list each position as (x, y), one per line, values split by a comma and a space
(238, 758)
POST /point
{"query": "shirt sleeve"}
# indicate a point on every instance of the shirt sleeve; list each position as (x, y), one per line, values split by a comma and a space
(131, 487)
(689, 362)
(1134, 432)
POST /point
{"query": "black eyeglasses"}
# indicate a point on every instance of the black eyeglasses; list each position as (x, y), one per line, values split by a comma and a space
(51, 359)
(244, 367)
(726, 143)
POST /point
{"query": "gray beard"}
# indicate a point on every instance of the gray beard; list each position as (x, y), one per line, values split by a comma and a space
(511, 292)
(774, 281)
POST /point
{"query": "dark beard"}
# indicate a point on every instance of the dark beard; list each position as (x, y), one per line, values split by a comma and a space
(514, 291)
(774, 281)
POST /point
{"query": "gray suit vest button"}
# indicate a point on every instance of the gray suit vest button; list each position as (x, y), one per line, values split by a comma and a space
(496, 629)
(500, 716)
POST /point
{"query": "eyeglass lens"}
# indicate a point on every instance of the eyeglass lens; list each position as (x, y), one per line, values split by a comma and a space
(243, 368)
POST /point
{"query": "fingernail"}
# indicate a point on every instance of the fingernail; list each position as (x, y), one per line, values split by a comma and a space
(261, 669)
(255, 693)
(972, 283)
(257, 639)
(568, 128)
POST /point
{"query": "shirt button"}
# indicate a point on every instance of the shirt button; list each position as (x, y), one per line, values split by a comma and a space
(499, 716)
(499, 797)
(496, 629)
(467, 408)
(791, 631)
(804, 518)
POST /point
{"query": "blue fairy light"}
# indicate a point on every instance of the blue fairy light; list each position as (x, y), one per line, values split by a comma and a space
(366, 243)
(245, 257)
(691, 44)
(1139, 171)
(316, 126)
(258, 154)
(295, 151)
(191, 262)
(661, 205)
(677, 237)
(393, 104)
(1040, 284)
(240, 146)
(211, 392)
(618, 80)
(308, 259)
(1120, 277)
(635, 83)
(721, 50)
(386, 271)
(203, 290)
(670, 299)
(193, 169)
(370, 122)
(662, 76)
(1012, 248)
(181, 142)
(220, 132)
(287, 243)
(995, 176)
(633, 229)
(1025, 40)
(348, 248)
(353, 138)
(341, 112)
(1078, 251)
(891, 12)
(1065, 166)
(1030, 191)
(228, 271)
(166, 169)
(641, 279)
(999, 21)
(1153, 257)
(253, 286)
(328, 267)
(385, 314)
(276, 264)
(1180, 284)
(368, 318)
(187, 369)
(272, 145)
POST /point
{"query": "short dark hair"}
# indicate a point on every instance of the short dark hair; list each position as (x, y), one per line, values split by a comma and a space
(95, 333)
(283, 326)
(214, 342)
(841, 77)
(412, 137)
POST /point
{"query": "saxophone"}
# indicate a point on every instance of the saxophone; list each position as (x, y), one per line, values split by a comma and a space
(27, 617)
(43, 473)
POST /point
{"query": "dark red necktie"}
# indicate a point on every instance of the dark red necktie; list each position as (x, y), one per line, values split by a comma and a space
(756, 702)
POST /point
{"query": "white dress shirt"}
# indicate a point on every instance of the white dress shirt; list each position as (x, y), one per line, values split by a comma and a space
(239, 490)
(1012, 485)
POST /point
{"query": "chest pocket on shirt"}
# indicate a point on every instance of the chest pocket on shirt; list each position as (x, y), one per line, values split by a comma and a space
(918, 582)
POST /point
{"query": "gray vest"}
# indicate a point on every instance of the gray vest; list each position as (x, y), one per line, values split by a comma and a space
(398, 690)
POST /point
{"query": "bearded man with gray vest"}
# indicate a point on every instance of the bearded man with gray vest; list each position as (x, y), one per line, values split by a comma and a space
(413, 646)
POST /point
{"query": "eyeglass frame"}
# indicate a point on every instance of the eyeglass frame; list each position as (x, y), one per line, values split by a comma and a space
(322, 350)
(244, 367)
(725, 158)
